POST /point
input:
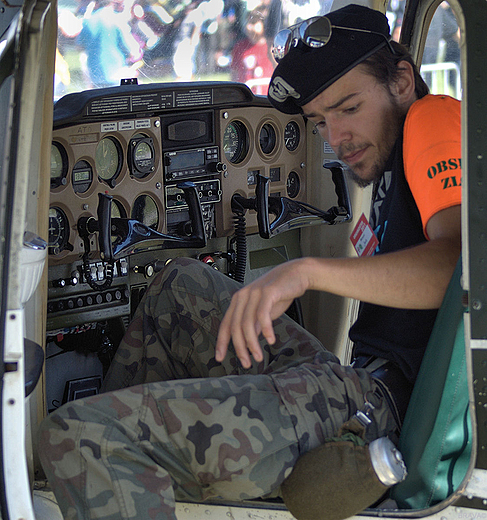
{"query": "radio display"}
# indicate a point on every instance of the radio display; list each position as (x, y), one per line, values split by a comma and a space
(185, 160)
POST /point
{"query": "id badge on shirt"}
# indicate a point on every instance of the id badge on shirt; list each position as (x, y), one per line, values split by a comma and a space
(363, 237)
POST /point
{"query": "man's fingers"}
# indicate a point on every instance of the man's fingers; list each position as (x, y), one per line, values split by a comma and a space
(224, 334)
(240, 325)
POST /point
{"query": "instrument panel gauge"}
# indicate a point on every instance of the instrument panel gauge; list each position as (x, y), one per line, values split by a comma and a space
(292, 136)
(141, 156)
(59, 165)
(235, 142)
(145, 210)
(58, 230)
(108, 159)
(82, 176)
(293, 185)
(117, 210)
(267, 138)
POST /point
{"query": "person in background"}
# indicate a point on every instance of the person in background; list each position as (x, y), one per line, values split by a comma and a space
(252, 61)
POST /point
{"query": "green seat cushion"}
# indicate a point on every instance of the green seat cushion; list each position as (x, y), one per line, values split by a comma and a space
(436, 437)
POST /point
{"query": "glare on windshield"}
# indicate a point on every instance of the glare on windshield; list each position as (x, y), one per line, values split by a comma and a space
(101, 42)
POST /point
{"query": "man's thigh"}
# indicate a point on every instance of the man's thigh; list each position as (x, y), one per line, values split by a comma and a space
(234, 433)
(174, 331)
(229, 437)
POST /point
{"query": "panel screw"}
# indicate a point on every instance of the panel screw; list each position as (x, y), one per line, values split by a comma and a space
(477, 305)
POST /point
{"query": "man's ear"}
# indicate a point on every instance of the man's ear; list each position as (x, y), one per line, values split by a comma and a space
(404, 89)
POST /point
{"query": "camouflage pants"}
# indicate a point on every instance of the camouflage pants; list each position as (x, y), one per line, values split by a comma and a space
(173, 424)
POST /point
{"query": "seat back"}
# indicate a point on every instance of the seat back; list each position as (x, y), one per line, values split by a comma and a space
(436, 436)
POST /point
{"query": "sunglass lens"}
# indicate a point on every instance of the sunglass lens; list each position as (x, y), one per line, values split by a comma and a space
(317, 33)
(282, 42)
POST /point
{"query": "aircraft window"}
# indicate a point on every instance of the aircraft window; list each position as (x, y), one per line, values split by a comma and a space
(440, 66)
(394, 13)
(102, 42)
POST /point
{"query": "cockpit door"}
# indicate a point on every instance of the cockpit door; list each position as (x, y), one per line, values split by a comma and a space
(27, 50)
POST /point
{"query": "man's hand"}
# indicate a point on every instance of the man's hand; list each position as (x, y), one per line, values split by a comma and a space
(254, 307)
(412, 278)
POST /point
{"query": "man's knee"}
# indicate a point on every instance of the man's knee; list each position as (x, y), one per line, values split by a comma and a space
(169, 277)
(187, 276)
(55, 438)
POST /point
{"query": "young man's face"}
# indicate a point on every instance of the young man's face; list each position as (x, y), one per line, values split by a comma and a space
(360, 120)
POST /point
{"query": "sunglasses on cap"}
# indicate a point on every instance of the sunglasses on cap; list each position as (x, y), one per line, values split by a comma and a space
(314, 32)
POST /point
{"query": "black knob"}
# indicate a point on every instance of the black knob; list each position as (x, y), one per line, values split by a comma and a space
(216, 167)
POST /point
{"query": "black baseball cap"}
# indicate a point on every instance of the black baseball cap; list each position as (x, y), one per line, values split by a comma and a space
(304, 72)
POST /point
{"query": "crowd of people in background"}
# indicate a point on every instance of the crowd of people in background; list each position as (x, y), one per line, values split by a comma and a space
(102, 41)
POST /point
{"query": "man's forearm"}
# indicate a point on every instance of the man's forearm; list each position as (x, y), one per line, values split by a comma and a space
(414, 278)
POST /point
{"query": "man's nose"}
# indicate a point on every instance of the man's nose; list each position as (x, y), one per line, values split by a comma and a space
(337, 133)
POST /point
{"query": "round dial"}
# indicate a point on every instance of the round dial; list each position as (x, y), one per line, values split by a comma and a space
(58, 230)
(291, 136)
(145, 210)
(235, 142)
(82, 176)
(59, 165)
(118, 211)
(142, 156)
(293, 185)
(108, 158)
(267, 138)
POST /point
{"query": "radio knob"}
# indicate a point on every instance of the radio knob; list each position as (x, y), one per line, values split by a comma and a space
(216, 167)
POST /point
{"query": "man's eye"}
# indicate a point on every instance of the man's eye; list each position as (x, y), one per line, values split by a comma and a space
(320, 125)
(351, 110)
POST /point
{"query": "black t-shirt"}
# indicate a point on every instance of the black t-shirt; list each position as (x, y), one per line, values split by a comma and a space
(399, 335)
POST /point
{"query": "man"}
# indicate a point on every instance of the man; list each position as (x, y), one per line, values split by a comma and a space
(130, 453)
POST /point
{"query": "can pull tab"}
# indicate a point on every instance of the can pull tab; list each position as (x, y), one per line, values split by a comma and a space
(362, 415)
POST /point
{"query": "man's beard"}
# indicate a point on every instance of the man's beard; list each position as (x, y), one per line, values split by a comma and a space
(361, 183)
(393, 122)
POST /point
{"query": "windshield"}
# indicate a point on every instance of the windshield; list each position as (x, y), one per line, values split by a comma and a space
(103, 41)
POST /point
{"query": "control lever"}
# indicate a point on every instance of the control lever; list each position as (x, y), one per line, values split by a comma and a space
(341, 188)
(88, 226)
(291, 214)
(104, 213)
(262, 205)
(130, 232)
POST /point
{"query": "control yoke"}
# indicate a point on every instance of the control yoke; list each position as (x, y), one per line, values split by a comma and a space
(290, 214)
(130, 232)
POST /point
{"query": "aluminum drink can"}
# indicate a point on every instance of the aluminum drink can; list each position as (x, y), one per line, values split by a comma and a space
(387, 461)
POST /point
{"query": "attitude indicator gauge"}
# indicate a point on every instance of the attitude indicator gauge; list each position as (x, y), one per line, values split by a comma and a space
(58, 230)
